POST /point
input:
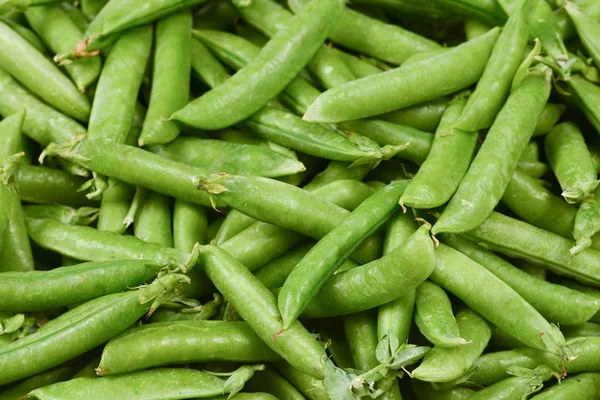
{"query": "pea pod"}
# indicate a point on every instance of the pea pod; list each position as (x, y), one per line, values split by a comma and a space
(548, 118)
(251, 88)
(571, 161)
(27, 34)
(436, 181)
(270, 381)
(310, 387)
(426, 391)
(64, 214)
(490, 172)
(234, 158)
(494, 86)
(190, 224)
(359, 67)
(39, 75)
(582, 386)
(206, 66)
(587, 29)
(587, 97)
(516, 387)
(443, 364)
(587, 223)
(60, 33)
(153, 221)
(182, 342)
(91, 8)
(425, 116)
(405, 86)
(544, 25)
(58, 374)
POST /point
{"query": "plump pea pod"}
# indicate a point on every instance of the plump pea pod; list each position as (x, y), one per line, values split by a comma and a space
(41, 290)
(548, 118)
(425, 116)
(583, 386)
(26, 33)
(117, 16)
(337, 170)
(60, 34)
(182, 342)
(443, 364)
(556, 303)
(587, 29)
(116, 200)
(91, 8)
(489, 174)
(156, 384)
(170, 77)
(571, 161)
(587, 223)
(118, 86)
(234, 158)
(44, 185)
(426, 391)
(64, 214)
(474, 28)
(270, 381)
(54, 375)
(190, 223)
(544, 25)
(494, 86)
(322, 261)
(76, 15)
(434, 317)
(70, 335)
(42, 123)
(377, 282)
(521, 240)
(437, 180)
(361, 333)
(252, 87)
(370, 36)
(218, 15)
(405, 86)
(153, 220)
(516, 387)
(310, 387)
(274, 273)
(136, 167)
(5, 212)
(206, 66)
(39, 75)
(472, 283)
(359, 67)
(587, 97)
(585, 329)
(295, 344)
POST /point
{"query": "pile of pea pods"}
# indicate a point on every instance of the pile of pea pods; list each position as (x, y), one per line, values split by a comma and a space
(300, 199)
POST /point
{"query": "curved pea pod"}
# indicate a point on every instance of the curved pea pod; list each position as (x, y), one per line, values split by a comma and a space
(367, 35)
(42, 123)
(38, 74)
(54, 375)
(170, 78)
(521, 240)
(523, 385)
(291, 131)
(587, 97)
(583, 386)
(120, 81)
(312, 388)
(472, 283)
(153, 220)
(484, 183)
(259, 310)
(41, 290)
(587, 223)
(585, 329)
(253, 86)
(269, 381)
(556, 303)
(495, 83)
(360, 330)
(182, 342)
(587, 30)
(155, 384)
(359, 67)
(330, 252)
(405, 86)
(190, 225)
(445, 364)
(64, 214)
(377, 282)
(60, 33)
(119, 16)
(425, 116)
(548, 118)
(205, 66)
(571, 161)
(434, 317)
(26, 33)
(234, 158)
(437, 180)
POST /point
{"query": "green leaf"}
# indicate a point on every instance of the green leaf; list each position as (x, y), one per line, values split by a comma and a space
(238, 379)
(410, 354)
(12, 324)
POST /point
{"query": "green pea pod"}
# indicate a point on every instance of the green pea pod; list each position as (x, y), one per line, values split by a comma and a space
(58, 374)
(64, 214)
(310, 387)
(337, 170)
(582, 386)
(367, 35)
(39, 75)
(437, 180)
(170, 77)
(377, 282)
(556, 303)
(517, 387)
(495, 83)
(218, 15)
(294, 344)
(474, 28)
(27, 34)
(482, 187)
(190, 223)
(359, 67)
(41, 290)
(114, 207)
(545, 26)
(234, 158)
(205, 66)
(587, 223)
(587, 97)
(251, 88)
(443, 364)
(60, 33)
(405, 86)
(182, 342)
(587, 29)
(571, 161)
(76, 15)
(270, 381)
(91, 8)
(118, 86)
(153, 220)
(426, 391)
(361, 334)
(425, 116)
(472, 283)
(548, 118)
(434, 317)
(159, 383)
(119, 16)
(321, 262)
